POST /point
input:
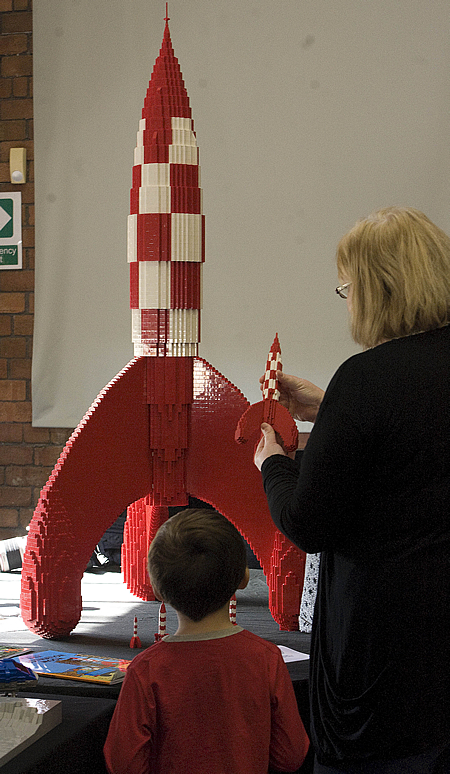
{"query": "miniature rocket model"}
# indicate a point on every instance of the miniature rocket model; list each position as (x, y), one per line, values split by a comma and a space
(233, 609)
(135, 641)
(162, 615)
(162, 431)
(269, 409)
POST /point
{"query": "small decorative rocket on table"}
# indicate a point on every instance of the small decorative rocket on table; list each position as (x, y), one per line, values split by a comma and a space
(135, 641)
(269, 409)
(233, 609)
(162, 431)
(162, 616)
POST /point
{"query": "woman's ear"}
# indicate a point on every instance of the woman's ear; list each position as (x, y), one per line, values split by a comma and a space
(245, 579)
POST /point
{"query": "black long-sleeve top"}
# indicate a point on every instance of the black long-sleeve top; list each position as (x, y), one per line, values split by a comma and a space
(371, 491)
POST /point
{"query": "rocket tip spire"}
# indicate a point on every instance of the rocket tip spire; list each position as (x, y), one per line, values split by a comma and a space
(166, 28)
(276, 345)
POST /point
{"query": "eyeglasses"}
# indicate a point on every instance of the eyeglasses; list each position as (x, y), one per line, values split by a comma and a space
(342, 290)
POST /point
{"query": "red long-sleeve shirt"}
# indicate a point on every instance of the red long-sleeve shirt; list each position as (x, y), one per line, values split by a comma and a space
(221, 705)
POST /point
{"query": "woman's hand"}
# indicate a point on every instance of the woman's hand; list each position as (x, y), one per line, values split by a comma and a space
(300, 397)
(267, 446)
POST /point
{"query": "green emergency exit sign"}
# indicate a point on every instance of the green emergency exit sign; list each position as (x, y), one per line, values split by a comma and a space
(10, 230)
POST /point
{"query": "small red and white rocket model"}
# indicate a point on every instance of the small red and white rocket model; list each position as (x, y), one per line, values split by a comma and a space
(162, 431)
(135, 641)
(269, 409)
(233, 609)
(162, 616)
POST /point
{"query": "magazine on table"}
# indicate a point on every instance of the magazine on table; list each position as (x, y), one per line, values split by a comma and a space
(11, 651)
(76, 666)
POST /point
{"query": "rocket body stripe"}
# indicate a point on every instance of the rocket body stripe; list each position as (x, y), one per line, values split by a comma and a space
(177, 237)
(187, 237)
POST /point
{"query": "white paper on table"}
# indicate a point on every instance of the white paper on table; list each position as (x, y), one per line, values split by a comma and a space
(292, 655)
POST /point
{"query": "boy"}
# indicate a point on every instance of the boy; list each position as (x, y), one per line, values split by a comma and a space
(213, 698)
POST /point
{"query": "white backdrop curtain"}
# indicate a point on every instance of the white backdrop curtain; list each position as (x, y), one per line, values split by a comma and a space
(308, 115)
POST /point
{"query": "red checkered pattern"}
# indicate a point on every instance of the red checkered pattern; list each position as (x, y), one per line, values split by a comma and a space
(274, 364)
(166, 224)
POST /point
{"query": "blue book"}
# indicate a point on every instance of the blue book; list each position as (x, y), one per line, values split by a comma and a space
(76, 666)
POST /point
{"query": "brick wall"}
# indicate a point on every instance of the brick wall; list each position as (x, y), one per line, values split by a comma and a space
(27, 454)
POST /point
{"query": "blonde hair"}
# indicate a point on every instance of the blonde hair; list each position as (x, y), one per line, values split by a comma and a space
(398, 262)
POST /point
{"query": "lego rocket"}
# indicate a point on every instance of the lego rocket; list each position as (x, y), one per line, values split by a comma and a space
(269, 409)
(162, 430)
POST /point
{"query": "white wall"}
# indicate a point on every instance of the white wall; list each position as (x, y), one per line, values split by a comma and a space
(308, 115)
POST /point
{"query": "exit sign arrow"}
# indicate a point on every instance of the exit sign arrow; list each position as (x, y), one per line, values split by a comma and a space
(5, 217)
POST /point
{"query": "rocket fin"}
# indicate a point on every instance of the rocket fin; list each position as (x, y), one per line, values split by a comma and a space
(104, 466)
(250, 422)
(276, 415)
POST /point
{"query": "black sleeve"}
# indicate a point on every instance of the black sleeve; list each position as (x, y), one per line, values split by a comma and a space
(316, 499)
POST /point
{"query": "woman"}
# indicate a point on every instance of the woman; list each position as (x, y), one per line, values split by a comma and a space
(371, 492)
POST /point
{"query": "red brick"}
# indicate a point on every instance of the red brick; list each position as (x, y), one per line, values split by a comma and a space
(13, 347)
(21, 87)
(4, 173)
(29, 215)
(28, 231)
(47, 455)
(30, 300)
(28, 258)
(27, 192)
(8, 187)
(15, 495)
(5, 325)
(11, 109)
(23, 324)
(35, 434)
(5, 88)
(20, 369)
(3, 369)
(22, 5)
(15, 412)
(9, 517)
(17, 280)
(15, 455)
(10, 433)
(17, 22)
(13, 44)
(12, 390)
(26, 475)
(36, 495)
(12, 302)
(25, 516)
(13, 130)
(5, 5)
(17, 66)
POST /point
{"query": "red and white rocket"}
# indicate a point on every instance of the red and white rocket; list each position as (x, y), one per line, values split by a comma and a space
(162, 430)
(269, 409)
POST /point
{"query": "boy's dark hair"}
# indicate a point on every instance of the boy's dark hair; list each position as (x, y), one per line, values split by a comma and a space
(196, 562)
